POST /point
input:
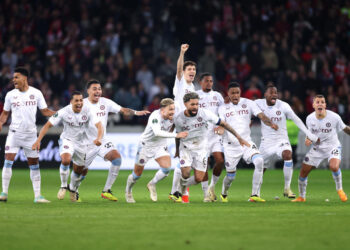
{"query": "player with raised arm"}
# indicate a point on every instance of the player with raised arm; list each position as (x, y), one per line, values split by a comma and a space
(22, 102)
(276, 143)
(238, 113)
(74, 143)
(194, 148)
(324, 124)
(153, 144)
(185, 74)
(211, 100)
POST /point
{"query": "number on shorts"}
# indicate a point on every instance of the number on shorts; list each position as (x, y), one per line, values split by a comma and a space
(108, 145)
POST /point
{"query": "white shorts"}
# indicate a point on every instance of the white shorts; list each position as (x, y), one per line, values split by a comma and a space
(197, 159)
(77, 152)
(272, 150)
(233, 153)
(17, 140)
(215, 144)
(146, 153)
(106, 147)
(316, 155)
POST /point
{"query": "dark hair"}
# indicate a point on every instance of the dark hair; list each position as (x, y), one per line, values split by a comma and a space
(75, 93)
(204, 75)
(318, 96)
(234, 85)
(22, 71)
(92, 81)
(189, 63)
(189, 96)
(270, 85)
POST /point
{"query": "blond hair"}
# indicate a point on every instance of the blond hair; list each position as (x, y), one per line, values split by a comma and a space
(166, 102)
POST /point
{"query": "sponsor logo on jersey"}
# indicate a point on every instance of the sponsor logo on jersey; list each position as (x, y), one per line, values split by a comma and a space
(328, 124)
(321, 130)
(102, 107)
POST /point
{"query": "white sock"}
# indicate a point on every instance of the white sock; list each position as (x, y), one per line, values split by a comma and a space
(214, 180)
(204, 187)
(75, 180)
(132, 178)
(160, 175)
(36, 179)
(302, 186)
(6, 176)
(337, 177)
(226, 184)
(64, 174)
(288, 173)
(191, 181)
(258, 174)
(112, 176)
(176, 180)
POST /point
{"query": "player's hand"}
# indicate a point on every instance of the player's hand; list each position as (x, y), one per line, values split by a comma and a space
(177, 154)
(184, 47)
(243, 142)
(36, 146)
(219, 130)
(274, 126)
(308, 142)
(97, 142)
(142, 112)
(312, 137)
(182, 134)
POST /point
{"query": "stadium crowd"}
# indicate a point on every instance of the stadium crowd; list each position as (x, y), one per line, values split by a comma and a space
(132, 46)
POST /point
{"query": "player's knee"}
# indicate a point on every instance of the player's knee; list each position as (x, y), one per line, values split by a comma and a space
(231, 175)
(8, 164)
(34, 167)
(287, 155)
(334, 167)
(136, 176)
(165, 171)
(185, 175)
(65, 161)
(117, 161)
(258, 161)
(199, 178)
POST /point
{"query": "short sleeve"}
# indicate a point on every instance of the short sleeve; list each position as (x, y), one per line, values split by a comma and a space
(7, 104)
(41, 101)
(340, 124)
(308, 122)
(178, 86)
(211, 117)
(288, 110)
(113, 107)
(221, 112)
(255, 108)
(221, 99)
(57, 117)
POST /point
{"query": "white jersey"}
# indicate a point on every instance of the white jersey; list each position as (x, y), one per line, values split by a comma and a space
(239, 117)
(23, 107)
(197, 127)
(157, 130)
(181, 87)
(101, 109)
(326, 129)
(75, 125)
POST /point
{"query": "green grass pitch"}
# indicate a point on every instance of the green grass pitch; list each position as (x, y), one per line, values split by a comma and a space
(101, 224)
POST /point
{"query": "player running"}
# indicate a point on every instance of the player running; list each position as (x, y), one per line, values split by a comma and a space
(211, 100)
(324, 124)
(22, 102)
(153, 144)
(276, 143)
(74, 143)
(185, 74)
(194, 148)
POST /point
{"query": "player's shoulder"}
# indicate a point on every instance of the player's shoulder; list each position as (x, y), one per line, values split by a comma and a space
(311, 116)
(281, 104)
(33, 90)
(12, 92)
(260, 102)
(333, 115)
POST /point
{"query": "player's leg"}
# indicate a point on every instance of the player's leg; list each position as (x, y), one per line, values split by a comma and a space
(64, 174)
(185, 176)
(258, 162)
(226, 183)
(76, 178)
(288, 173)
(302, 182)
(132, 179)
(232, 154)
(175, 188)
(334, 164)
(7, 174)
(165, 164)
(36, 179)
(218, 167)
(114, 157)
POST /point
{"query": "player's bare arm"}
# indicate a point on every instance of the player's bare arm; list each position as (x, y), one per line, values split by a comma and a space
(3, 118)
(43, 131)
(180, 61)
(346, 130)
(232, 131)
(100, 131)
(127, 111)
(177, 145)
(267, 121)
(47, 112)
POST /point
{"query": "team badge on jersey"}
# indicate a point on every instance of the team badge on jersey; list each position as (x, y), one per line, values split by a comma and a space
(215, 98)
(278, 112)
(154, 121)
(244, 106)
(199, 119)
(84, 117)
(31, 97)
(102, 107)
(328, 124)
(7, 148)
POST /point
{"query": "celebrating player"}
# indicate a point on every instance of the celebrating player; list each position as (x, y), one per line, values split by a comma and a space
(74, 143)
(276, 143)
(185, 74)
(23, 102)
(193, 149)
(325, 124)
(211, 100)
(153, 144)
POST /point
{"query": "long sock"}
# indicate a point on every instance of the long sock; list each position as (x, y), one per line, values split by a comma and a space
(36, 179)
(204, 186)
(288, 173)
(258, 173)
(64, 174)
(302, 186)
(81, 178)
(337, 177)
(160, 175)
(226, 184)
(132, 178)
(191, 181)
(112, 174)
(6, 175)
(176, 180)
(261, 182)
(75, 180)
(214, 180)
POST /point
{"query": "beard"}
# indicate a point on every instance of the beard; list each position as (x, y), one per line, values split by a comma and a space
(192, 113)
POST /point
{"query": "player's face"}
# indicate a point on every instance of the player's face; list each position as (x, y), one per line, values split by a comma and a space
(271, 96)
(190, 73)
(207, 83)
(192, 107)
(234, 94)
(77, 103)
(168, 112)
(94, 92)
(319, 105)
(19, 80)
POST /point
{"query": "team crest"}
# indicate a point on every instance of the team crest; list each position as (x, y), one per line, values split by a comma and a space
(215, 98)
(306, 158)
(102, 107)
(66, 147)
(84, 118)
(154, 121)
(31, 97)
(244, 106)
(142, 161)
(278, 112)
(199, 119)
(328, 124)
(7, 148)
